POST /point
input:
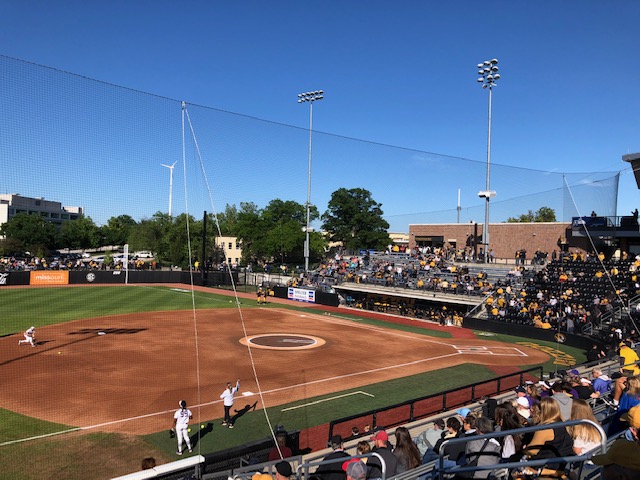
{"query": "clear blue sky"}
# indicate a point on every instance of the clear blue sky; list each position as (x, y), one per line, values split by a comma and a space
(394, 73)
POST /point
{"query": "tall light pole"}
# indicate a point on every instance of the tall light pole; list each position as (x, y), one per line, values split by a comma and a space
(309, 97)
(170, 167)
(488, 71)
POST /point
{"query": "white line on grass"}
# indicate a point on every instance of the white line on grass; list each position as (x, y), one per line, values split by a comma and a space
(326, 400)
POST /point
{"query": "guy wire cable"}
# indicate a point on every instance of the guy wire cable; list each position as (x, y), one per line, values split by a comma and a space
(233, 284)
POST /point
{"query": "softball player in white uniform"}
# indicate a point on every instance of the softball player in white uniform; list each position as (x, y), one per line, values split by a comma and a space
(227, 399)
(29, 337)
(181, 424)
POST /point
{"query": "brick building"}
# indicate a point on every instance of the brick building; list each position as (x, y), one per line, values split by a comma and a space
(505, 238)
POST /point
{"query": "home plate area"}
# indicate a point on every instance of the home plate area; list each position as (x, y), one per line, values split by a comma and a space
(483, 350)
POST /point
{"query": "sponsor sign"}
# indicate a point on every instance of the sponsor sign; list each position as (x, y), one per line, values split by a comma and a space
(49, 277)
(301, 295)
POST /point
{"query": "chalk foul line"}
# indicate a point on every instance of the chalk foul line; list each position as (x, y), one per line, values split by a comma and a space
(335, 397)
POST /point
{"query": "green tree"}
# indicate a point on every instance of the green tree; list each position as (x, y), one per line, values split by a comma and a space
(543, 214)
(80, 233)
(117, 229)
(354, 218)
(36, 234)
(228, 221)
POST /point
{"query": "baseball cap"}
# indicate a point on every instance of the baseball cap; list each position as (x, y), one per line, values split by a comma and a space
(380, 435)
(520, 390)
(632, 417)
(574, 372)
(585, 380)
(336, 440)
(284, 468)
(463, 412)
(523, 402)
(544, 384)
(355, 469)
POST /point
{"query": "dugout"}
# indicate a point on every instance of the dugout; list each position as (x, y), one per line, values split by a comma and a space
(528, 331)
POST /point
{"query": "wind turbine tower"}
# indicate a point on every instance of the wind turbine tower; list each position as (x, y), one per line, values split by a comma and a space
(170, 184)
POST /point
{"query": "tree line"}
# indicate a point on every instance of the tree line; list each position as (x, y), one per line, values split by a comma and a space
(274, 233)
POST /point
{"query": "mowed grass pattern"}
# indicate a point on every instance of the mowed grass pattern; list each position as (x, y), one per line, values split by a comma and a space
(50, 306)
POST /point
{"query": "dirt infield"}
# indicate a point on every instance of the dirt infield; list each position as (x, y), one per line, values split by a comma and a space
(126, 373)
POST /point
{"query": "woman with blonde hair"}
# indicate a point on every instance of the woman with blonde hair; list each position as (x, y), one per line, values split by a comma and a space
(363, 448)
(551, 442)
(629, 399)
(585, 437)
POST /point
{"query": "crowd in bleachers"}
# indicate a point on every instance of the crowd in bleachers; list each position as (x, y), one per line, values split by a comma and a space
(524, 436)
(69, 262)
(573, 293)
(424, 269)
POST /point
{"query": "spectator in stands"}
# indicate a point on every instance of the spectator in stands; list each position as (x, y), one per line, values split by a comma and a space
(562, 398)
(483, 452)
(283, 470)
(382, 448)
(355, 469)
(454, 430)
(521, 392)
(628, 359)
(436, 432)
(363, 448)
(622, 460)
(355, 433)
(551, 442)
(630, 398)
(533, 392)
(333, 470)
(524, 410)
(508, 419)
(584, 389)
(601, 383)
(281, 450)
(544, 389)
(585, 437)
(405, 451)
(469, 424)
(595, 353)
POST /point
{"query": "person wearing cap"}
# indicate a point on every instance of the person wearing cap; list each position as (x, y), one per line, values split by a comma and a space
(584, 388)
(544, 389)
(355, 469)
(463, 412)
(436, 432)
(622, 459)
(382, 448)
(283, 470)
(521, 392)
(524, 410)
(333, 470)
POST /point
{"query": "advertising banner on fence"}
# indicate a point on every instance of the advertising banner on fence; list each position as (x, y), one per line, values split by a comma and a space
(301, 295)
(49, 277)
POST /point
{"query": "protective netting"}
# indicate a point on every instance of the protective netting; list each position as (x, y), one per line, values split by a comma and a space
(87, 143)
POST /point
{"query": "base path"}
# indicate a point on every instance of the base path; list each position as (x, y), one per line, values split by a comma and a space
(127, 372)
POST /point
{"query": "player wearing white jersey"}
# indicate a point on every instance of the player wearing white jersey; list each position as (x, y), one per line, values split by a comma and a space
(181, 425)
(227, 399)
(29, 337)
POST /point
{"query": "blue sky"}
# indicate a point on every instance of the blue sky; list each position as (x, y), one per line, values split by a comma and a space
(401, 74)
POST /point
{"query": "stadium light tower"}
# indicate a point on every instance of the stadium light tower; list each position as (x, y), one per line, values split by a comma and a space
(309, 97)
(170, 167)
(488, 71)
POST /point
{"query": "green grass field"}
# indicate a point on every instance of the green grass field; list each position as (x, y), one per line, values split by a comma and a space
(72, 455)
